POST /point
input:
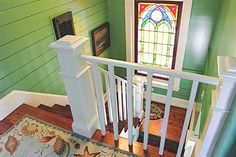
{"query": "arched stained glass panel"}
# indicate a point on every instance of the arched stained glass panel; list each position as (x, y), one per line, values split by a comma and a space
(156, 32)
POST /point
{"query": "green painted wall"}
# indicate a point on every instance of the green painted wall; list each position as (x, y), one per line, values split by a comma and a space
(116, 13)
(26, 62)
(223, 43)
(202, 24)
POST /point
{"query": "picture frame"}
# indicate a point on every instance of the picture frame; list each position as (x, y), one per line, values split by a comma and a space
(101, 39)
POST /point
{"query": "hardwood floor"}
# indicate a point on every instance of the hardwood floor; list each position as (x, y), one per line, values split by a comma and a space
(25, 109)
(175, 123)
(137, 147)
(61, 116)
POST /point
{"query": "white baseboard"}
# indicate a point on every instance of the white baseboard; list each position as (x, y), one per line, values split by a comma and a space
(175, 101)
(162, 99)
(14, 99)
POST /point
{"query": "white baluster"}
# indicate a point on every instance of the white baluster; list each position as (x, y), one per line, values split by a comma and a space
(116, 91)
(187, 117)
(113, 100)
(147, 110)
(130, 105)
(120, 99)
(99, 96)
(104, 105)
(124, 99)
(134, 101)
(108, 98)
(166, 115)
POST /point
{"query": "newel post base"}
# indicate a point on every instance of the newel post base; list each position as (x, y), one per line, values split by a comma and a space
(219, 113)
(78, 83)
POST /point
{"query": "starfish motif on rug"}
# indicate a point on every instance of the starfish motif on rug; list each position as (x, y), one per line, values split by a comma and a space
(87, 154)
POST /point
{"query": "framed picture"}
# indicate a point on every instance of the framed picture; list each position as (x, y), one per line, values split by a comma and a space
(63, 25)
(101, 39)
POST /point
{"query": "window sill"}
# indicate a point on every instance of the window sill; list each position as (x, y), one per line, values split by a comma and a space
(158, 82)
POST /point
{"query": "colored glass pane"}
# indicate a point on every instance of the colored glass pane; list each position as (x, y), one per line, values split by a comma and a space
(157, 24)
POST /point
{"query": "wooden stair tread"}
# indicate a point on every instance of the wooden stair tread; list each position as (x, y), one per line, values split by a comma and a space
(123, 144)
(123, 125)
(153, 140)
(65, 123)
(38, 113)
(63, 113)
(61, 108)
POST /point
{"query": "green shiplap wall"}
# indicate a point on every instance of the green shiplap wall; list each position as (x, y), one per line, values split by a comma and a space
(26, 62)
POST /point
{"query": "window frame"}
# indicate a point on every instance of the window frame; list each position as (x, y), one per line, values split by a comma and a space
(183, 34)
(136, 20)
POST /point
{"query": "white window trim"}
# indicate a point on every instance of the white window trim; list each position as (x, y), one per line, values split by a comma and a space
(183, 34)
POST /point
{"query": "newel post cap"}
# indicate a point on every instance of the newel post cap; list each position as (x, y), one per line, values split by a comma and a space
(69, 42)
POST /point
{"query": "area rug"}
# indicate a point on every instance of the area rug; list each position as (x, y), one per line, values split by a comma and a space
(31, 137)
(155, 112)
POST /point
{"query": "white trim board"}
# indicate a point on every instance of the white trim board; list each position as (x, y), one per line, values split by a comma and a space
(174, 102)
(16, 98)
(177, 102)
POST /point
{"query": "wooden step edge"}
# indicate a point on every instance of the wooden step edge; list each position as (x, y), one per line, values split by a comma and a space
(60, 107)
(123, 144)
(37, 113)
(66, 114)
(154, 141)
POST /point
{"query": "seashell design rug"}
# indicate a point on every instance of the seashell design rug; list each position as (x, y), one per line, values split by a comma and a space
(31, 137)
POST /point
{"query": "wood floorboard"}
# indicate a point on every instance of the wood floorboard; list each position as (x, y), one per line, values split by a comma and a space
(175, 123)
(64, 113)
(24, 109)
(137, 147)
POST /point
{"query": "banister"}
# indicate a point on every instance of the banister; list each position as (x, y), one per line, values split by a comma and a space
(85, 98)
(105, 72)
(115, 76)
(169, 72)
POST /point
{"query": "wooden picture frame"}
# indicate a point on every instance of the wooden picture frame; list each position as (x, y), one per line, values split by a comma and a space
(101, 39)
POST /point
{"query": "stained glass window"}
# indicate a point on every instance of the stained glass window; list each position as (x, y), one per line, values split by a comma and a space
(157, 32)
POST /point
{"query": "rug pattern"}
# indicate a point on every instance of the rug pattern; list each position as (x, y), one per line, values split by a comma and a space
(156, 111)
(34, 138)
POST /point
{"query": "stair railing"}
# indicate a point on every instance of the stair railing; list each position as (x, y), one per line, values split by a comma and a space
(75, 69)
(121, 85)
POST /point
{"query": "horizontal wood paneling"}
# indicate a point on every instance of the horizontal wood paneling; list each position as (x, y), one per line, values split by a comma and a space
(6, 4)
(26, 62)
(44, 83)
(26, 70)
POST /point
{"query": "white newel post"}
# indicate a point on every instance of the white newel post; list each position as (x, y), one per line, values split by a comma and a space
(219, 113)
(78, 83)
(139, 90)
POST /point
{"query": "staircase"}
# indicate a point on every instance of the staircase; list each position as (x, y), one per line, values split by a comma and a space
(84, 85)
(61, 116)
(176, 124)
